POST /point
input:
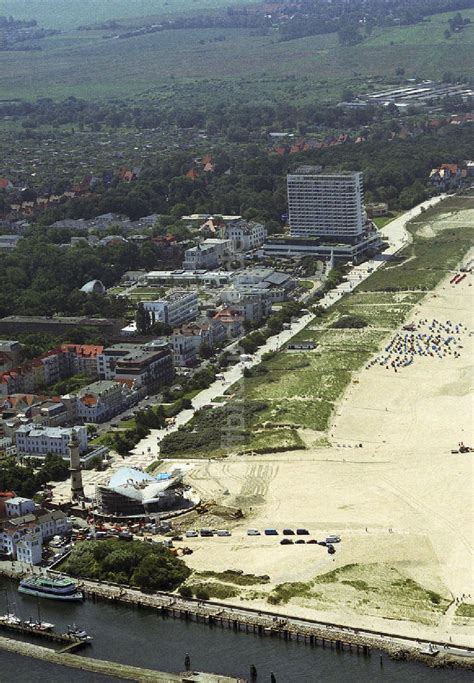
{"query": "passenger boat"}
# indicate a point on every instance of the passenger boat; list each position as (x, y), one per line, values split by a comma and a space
(53, 588)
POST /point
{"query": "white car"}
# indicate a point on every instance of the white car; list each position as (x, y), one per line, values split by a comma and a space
(333, 539)
(191, 533)
(223, 532)
(253, 532)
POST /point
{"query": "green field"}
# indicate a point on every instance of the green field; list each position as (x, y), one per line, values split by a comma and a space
(68, 14)
(367, 589)
(441, 236)
(191, 66)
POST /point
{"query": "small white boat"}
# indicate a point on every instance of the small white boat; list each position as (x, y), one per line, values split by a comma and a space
(39, 625)
(78, 633)
(430, 650)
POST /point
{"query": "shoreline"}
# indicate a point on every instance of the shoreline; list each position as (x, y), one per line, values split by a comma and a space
(317, 633)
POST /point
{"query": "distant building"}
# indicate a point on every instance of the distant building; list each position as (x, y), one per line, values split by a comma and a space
(83, 358)
(376, 210)
(101, 401)
(16, 507)
(93, 287)
(22, 537)
(325, 204)
(232, 320)
(36, 441)
(10, 354)
(187, 340)
(209, 254)
(29, 548)
(447, 176)
(245, 235)
(9, 243)
(327, 218)
(177, 307)
(131, 492)
(253, 304)
(141, 368)
(26, 324)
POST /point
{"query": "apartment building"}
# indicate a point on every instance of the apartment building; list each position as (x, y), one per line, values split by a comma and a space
(101, 401)
(37, 441)
(327, 205)
(141, 368)
(244, 235)
(177, 307)
(209, 254)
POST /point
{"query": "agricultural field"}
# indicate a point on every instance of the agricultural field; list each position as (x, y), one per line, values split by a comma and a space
(181, 65)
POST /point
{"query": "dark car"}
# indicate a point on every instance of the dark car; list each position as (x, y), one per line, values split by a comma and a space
(286, 541)
(322, 543)
(312, 541)
(288, 532)
(331, 549)
(302, 532)
(206, 533)
(300, 541)
(270, 532)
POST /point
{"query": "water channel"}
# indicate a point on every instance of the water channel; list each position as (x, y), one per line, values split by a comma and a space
(142, 637)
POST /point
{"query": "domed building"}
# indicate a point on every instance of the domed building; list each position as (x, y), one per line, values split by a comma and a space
(131, 492)
(93, 287)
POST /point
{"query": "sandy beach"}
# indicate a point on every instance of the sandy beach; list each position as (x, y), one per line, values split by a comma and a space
(402, 502)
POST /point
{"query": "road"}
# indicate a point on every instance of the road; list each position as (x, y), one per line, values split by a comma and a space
(397, 236)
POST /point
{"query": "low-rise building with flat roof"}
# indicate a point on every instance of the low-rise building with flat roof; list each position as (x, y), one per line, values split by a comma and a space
(26, 324)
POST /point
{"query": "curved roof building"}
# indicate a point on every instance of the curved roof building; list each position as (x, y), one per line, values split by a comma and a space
(131, 492)
(93, 287)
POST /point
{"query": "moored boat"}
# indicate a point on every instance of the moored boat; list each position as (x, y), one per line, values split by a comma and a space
(78, 633)
(53, 588)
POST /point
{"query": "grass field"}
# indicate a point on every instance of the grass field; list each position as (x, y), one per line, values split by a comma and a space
(189, 66)
(67, 14)
(368, 589)
(440, 238)
(301, 388)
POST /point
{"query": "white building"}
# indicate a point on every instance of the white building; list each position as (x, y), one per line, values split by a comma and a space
(177, 307)
(22, 537)
(16, 507)
(327, 205)
(253, 304)
(30, 548)
(209, 254)
(37, 441)
(187, 340)
(245, 235)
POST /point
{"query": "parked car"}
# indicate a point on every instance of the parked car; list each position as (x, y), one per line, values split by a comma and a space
(332, 538)
(312, 541)
(322, 543)
(288, 532)
(223, 532)
(253, 532)
(302, 532)
(331, 549)
(206, 533)
(191, 533)
(300, 541)
(286, 541)
(270, 532)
